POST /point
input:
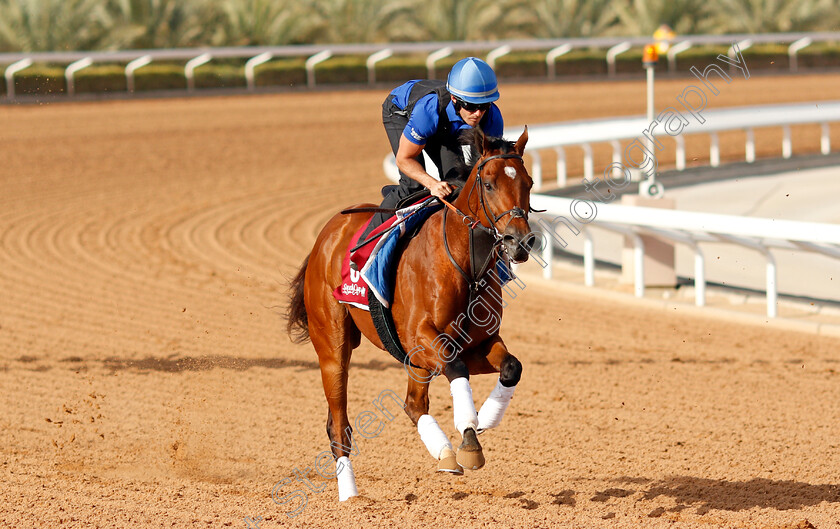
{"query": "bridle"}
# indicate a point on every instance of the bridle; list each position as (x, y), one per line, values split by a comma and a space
(515, 212)
(481, 249)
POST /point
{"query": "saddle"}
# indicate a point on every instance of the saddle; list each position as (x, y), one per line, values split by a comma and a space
(375, 294)
(413, 198)
(369, 263)
(483, 244)
(417, 196)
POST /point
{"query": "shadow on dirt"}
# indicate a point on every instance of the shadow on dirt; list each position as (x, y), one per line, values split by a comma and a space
(708, 494)
(605, 495)
(203, 363)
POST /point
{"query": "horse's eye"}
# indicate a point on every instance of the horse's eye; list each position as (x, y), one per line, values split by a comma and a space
(487, 186)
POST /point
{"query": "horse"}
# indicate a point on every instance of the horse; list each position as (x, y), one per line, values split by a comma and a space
(446, 309)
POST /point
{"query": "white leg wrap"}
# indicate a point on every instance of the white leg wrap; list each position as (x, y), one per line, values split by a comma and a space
(493, 409)
(432, 436)
(346, 479)
(463, 407)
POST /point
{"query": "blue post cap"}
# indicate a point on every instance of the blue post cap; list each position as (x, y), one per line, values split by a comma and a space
(473, 80)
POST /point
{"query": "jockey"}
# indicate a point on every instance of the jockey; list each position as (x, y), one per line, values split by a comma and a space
(430, 115)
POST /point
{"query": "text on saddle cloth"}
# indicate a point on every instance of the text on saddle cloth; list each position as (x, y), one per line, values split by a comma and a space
(375, 259)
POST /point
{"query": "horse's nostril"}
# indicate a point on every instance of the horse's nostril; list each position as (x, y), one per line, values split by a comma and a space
(509, 239)
(529, 242)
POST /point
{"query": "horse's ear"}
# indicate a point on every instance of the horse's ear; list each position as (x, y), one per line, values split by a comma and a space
(481, 143)
(520, 143)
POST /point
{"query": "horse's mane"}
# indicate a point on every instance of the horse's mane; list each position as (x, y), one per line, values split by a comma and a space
(468, 137)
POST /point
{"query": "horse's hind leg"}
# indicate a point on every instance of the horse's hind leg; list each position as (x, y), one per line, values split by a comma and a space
(417, 409)
(334, 343)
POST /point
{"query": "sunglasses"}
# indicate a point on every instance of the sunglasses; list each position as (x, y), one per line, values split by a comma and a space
(472, 107)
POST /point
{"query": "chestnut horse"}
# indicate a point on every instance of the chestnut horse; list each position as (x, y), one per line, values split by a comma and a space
(447, 306)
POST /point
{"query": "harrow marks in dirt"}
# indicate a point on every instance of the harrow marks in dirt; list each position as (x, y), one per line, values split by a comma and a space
(147, 381)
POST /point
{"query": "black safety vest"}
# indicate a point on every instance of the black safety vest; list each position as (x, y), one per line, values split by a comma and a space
(423, 88)
(442, 147)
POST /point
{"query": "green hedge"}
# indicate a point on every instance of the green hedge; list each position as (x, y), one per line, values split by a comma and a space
(290, 72)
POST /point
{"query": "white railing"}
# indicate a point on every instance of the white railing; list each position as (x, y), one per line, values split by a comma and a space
(435, 51)
(682, 227)
(583, 134)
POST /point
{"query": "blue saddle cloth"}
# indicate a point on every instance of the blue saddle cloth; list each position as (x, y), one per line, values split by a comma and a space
(379, 271)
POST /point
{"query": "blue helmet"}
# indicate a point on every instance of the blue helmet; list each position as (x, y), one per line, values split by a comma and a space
(472, 80)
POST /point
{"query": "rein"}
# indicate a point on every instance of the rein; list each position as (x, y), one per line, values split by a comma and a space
(484, 241)
(515, 211)
(478, 231)
(479, 240)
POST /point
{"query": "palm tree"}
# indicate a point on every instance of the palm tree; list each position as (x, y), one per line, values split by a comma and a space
(642, 17)
(53, 25)
(164, 23)
(767, 16)
(571, 18)
(458, 20)
(268, 22)
(350, 21)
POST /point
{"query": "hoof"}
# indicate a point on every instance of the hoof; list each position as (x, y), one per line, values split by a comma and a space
(448, 462)
(469, 453)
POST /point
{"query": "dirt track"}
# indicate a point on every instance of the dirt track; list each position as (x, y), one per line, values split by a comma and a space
(147, 381)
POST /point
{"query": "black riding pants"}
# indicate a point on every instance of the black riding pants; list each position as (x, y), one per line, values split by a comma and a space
(394, 119)
(445, 153)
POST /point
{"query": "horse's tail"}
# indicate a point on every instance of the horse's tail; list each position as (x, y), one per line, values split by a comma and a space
(297, 321)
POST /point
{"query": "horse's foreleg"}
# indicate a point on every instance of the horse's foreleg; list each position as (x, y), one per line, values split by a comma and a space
(463, 408)
(470, 454)
(510, 370)
(491, 412)
(417, 409)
